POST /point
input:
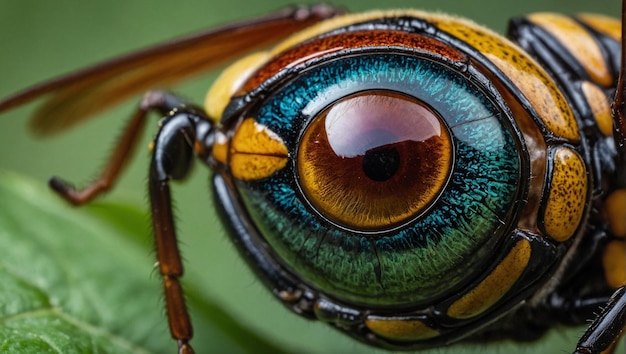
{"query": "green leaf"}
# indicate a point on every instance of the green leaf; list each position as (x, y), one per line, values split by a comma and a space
(70, 284)
(78, 280)
(73, 283)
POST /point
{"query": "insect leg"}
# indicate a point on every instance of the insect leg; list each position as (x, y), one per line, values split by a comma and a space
(172, 154)
(607, 328)
(159, 101)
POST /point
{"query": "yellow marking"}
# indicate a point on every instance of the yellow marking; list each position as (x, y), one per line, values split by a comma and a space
(567, 195)
(615, 208)
(229, 81)
(606, 25)
(254, 167)
(256, 152)
(534, 83)
(199, 148)
(400, 329)
(495, 285)
(220, 147)
(600, 107)
(577, 40)
(614, 262)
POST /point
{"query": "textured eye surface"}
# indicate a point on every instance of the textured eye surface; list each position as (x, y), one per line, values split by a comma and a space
(374, 159)
(402, 174)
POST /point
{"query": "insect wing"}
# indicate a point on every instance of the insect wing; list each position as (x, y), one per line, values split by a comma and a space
(77, 96)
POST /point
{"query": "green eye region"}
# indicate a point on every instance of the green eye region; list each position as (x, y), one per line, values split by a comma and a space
(401, 179)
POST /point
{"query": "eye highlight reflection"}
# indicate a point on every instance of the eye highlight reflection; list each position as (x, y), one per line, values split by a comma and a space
(374, 160)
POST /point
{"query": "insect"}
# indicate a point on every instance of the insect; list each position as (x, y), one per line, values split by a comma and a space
(368, 302)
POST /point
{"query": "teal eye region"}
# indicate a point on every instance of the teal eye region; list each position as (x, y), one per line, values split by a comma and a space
(429, 254)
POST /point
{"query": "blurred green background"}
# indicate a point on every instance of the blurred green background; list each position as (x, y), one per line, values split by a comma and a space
(43, 39)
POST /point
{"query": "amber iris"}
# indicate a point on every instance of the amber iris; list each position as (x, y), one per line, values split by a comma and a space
(374, 160)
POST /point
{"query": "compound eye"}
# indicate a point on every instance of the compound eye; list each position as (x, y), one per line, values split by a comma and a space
(374, 160)
(401, 177)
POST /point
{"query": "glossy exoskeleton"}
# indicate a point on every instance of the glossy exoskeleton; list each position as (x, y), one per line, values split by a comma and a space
(410, 178)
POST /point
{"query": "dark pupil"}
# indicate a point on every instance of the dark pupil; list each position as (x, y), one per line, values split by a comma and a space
(381, 164)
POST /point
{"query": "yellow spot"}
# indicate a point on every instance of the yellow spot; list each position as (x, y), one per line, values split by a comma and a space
(614, 262)
(495, 285)
(578, 41)
(607, 25)
(615, 208)
(256, 152)
(400, 328)
(229, 81)
(600, 107)
(534, 83)
(567, 195)
(220, 148)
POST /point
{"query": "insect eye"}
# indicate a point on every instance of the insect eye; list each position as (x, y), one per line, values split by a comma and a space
(400, 179)
(374, 160)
